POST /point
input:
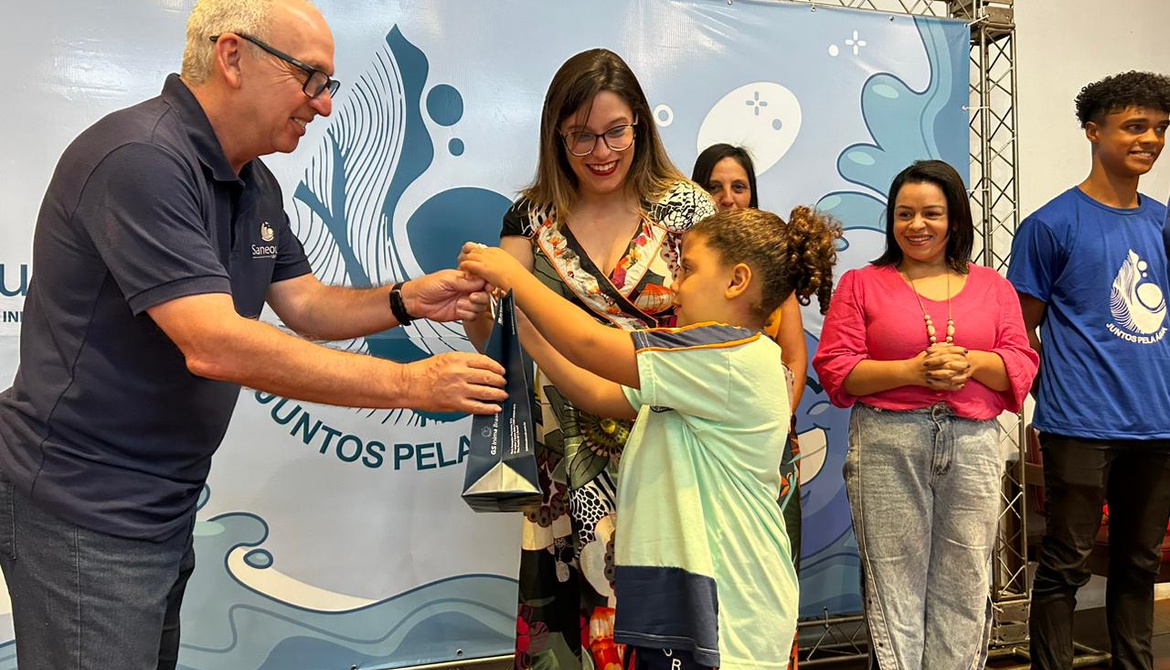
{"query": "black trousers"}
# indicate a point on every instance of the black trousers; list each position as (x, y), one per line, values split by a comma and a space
(1079, 476)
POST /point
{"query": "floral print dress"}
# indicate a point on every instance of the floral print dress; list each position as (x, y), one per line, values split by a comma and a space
(566, 567)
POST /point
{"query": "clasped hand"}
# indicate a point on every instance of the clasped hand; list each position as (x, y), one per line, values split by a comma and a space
(490, 264)
(463, 294)
(945, 367)
(446, 295)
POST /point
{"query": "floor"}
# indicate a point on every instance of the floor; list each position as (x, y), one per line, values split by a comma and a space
(1091, 631)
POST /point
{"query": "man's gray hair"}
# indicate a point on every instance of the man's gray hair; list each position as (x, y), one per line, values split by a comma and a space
(215, 17)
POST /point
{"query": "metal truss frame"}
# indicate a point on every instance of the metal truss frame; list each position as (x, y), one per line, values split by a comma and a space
(994, 190)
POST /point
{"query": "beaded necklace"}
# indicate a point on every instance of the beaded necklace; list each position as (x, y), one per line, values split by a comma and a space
(930, 331)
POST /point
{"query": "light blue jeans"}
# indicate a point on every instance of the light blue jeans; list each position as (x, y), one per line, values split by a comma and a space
(924, 487)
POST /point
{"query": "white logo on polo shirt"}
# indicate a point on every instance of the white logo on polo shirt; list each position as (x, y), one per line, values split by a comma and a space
(1137, 303)
(265, 250)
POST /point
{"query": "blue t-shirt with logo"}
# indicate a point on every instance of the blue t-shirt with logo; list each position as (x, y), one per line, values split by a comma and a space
(1101, 271)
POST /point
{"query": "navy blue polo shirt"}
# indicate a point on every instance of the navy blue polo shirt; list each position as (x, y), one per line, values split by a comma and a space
(104, 425)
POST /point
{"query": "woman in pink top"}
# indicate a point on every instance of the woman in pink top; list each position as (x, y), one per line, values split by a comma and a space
(928, 349)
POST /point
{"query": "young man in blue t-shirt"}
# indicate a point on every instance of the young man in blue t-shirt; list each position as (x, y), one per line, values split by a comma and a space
(1090, 268)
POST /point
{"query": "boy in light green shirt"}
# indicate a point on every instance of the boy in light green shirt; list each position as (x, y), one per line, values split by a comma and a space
(703, 574)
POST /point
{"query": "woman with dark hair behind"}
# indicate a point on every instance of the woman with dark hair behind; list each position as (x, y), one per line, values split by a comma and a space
(928, 349)
(600, 225)
(729, 175)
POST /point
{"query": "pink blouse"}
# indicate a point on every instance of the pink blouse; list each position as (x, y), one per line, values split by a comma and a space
(875, 315)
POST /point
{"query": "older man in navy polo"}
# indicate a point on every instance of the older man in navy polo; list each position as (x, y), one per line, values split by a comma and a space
(159, 241)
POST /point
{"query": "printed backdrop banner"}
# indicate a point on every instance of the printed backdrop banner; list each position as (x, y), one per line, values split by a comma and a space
(332, 537)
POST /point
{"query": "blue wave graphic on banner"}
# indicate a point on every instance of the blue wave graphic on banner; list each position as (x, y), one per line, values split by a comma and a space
(257, 630)
(347, 207)
(887, 103)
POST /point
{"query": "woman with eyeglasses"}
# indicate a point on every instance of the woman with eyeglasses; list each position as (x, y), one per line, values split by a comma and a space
(601, 225)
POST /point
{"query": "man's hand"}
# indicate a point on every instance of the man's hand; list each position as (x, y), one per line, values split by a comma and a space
(493, 264)
(446, 295)
(456, 382)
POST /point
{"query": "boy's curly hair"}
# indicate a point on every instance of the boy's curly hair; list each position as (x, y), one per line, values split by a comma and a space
(1120, 92)
(797, 256)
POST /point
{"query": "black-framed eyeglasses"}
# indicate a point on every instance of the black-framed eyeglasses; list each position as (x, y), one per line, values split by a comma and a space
(619, 138)
(317, 82)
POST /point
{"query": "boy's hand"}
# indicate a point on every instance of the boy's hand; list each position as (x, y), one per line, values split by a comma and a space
(493, 264)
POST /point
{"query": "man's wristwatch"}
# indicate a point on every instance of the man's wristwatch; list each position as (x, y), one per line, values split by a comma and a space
(398, 305)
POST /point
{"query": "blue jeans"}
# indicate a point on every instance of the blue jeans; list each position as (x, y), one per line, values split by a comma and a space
(924, 488)
(83, 600)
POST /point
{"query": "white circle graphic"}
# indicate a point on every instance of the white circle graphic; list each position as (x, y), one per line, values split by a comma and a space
(663, 115)
(763, 116)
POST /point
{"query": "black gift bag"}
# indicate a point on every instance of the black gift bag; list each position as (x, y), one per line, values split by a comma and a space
(501, 471)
